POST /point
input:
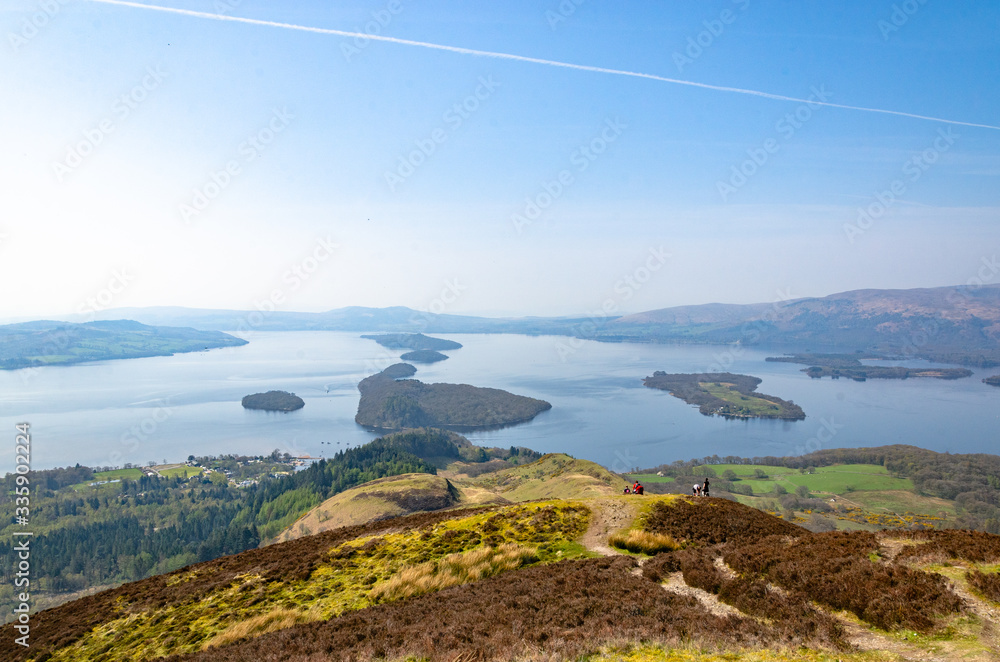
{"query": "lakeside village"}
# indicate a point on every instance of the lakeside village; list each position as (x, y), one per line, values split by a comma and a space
(234, 470)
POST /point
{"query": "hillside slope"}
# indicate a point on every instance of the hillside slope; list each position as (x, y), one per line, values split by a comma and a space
(554, 476)
(385, 498)
(739, 584)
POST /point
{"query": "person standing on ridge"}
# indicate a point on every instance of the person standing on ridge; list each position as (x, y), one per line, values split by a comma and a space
(704, 488)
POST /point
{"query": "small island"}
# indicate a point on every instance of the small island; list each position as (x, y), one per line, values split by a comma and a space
(992, 381)
(273, 401)
(391, 402)
(725, 394)
(424, 356)
(850, 366)
(413, 341)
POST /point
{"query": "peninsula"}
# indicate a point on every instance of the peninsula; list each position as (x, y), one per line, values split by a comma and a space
(391, 402)
(850, 366)
(992, 381)
(725, 394)
(48, 343)
(273, 401)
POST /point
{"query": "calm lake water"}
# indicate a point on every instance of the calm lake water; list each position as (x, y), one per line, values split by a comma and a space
(167, 408)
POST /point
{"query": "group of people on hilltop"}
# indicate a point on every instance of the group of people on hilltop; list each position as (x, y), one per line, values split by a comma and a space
(698, 489)
(636, 488)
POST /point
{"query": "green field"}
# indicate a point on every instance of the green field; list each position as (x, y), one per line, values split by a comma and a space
(838, 479)
(131, 474)
(747, 404)
(182, 472)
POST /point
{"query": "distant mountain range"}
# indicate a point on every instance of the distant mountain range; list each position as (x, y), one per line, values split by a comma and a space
(955, 324)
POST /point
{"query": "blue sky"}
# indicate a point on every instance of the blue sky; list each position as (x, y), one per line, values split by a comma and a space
(117, 119)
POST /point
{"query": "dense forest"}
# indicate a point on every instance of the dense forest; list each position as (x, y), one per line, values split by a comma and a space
(424, 356)
(972, 481)
(390, 403)
(415, 341)
(273, 401)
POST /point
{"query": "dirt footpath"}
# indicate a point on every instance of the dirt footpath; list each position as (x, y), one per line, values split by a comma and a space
(610, 514)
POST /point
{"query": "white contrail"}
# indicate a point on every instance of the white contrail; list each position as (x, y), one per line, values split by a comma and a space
(534, 60)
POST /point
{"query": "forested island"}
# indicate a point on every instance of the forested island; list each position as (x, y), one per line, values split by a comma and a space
(424, 356)
(412, 341)
(725, 394)
(850, 366)
(273, 401)
(389, 402)
(48, 343)
(992, 381)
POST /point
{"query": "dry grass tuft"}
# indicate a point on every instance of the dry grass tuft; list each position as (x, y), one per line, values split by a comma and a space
(643, 542)
(275, 620)
(452, 570)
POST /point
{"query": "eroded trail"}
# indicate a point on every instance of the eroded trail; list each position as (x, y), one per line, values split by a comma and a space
(609, 515)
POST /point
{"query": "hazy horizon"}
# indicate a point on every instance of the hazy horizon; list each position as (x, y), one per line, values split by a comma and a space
(512, 160)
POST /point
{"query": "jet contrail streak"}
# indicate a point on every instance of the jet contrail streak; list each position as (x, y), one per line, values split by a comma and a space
(533, 60)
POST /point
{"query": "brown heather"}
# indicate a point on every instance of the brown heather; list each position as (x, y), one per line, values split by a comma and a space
(710, 520)
(567, 609)
(949, 544)
(835, 570)
(988, 585)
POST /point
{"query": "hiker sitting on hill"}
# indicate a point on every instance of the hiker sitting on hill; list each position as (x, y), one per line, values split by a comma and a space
(627, 490)
(639, 489)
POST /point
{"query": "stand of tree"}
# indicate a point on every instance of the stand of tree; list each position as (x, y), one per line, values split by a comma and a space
(390, 403)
